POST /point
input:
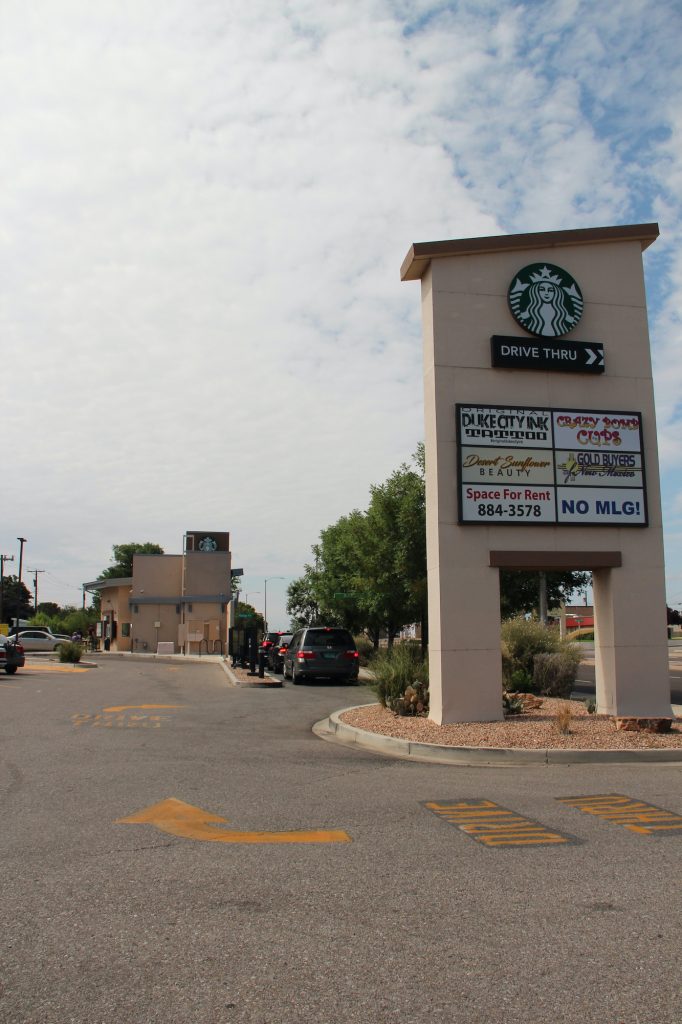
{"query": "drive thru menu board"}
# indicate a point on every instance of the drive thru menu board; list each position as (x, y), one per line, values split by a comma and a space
(562, 466)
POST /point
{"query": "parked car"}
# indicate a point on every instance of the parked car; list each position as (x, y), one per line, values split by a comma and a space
(11, 655)
(321, 651)
(39, 640)
(276, 653)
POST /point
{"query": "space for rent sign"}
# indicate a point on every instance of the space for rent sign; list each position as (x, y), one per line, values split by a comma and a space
(560, 466)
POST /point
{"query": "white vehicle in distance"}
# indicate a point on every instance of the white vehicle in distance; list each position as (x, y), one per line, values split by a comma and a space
(40, 640)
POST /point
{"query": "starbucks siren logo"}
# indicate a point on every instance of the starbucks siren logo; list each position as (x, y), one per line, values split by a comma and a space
(545, 300)
(208, 544)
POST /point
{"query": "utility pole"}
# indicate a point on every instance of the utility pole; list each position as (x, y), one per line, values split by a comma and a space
(35, 587)
(22, 541)
(3, 559)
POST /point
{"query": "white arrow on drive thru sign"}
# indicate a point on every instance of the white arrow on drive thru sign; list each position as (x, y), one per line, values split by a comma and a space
(593, 355)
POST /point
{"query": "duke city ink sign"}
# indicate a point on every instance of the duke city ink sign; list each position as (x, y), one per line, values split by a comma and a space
(560, 466)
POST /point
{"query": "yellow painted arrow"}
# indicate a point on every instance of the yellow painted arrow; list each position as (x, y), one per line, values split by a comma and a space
(180, 819)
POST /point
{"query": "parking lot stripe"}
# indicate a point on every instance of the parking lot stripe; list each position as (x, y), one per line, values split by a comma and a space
(493, 825)
(635, 815)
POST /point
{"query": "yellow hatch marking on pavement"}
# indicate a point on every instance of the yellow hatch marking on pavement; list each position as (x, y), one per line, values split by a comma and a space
(634, 815)
(493, 825)
(121, 721)
(177, 818)
(142, 707)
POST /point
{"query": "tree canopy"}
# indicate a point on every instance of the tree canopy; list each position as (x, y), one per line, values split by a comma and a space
(369, 568)
(122, 561)
(16, 600)
(369, 572)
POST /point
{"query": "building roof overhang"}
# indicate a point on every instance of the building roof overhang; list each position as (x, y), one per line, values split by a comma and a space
(420, 254)
(114, 581)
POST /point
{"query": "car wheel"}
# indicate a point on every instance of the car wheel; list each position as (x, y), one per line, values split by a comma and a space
(295, 677)
(10, 669)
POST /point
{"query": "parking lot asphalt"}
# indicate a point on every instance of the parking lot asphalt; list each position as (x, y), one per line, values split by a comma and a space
(122, 905)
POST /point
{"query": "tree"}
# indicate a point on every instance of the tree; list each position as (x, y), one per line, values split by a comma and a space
(122, 565)
(370, 567)
(16, 600)
(519, 590)
(302, 604)
(48, 608)
(246, 616)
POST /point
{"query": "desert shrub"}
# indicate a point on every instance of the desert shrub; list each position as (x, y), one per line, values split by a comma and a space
(395, 672)
(521, 682)
(562, 722)
(365, 648)
(591, 705)
(554, 674)
(511, 705)
(522, 639)
(70, 651)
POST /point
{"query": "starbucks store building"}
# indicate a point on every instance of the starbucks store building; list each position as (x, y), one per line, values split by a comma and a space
(172, 603)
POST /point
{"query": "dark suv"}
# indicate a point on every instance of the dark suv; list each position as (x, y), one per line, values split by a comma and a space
(276, 653)
(321, 651)
(268, 641)
(11, 654)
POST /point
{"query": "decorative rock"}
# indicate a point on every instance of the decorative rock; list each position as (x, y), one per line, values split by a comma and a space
(530, 701)
(644, 724)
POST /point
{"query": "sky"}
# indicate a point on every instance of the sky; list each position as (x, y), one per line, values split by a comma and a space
(203, 212)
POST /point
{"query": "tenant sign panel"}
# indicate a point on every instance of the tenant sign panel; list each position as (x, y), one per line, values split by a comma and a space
(558, 466)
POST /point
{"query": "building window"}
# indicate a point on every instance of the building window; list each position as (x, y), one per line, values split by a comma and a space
(189, 607)
(177, 609)
(136, 608)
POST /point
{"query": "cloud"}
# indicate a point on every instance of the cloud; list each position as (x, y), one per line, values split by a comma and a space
(205, 214)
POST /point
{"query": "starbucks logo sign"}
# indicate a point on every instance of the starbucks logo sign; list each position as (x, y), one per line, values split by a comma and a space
(545, 300)
(208, 544)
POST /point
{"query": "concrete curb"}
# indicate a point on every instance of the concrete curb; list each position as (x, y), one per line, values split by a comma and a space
(334, 730)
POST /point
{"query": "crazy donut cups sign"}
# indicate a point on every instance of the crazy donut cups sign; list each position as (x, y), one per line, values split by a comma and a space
(545, 300)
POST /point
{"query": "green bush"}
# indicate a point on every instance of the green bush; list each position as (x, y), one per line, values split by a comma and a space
(365, 648)
(522, 639)
(70, 651)
(511, 705)
(401, 679)
(520, 682)
(554, 674)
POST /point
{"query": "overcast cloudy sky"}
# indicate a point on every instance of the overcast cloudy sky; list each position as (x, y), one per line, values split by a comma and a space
(204, 206)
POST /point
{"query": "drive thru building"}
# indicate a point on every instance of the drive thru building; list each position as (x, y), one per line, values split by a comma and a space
(181, 601)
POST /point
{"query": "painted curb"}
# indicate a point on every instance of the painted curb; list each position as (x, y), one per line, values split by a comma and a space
(334, 730)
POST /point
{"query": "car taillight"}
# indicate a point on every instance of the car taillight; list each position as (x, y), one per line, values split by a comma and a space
(282, 650)
(351, 654)
(19, 648)
(304, 655)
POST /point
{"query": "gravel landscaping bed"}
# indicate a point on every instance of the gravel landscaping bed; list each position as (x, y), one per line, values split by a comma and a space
(533, 729)
(244, 678)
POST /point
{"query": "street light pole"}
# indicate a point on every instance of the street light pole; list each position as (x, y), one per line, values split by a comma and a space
(265, 610)
(22, 541)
